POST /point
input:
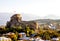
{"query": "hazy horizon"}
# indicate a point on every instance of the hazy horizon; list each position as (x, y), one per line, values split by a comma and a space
(4, 17)
(34, 9)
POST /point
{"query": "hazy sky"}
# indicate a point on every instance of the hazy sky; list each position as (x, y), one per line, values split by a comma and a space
(36, 7)
(30, 9)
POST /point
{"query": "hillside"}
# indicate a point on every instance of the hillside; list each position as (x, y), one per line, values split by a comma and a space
(46, 20)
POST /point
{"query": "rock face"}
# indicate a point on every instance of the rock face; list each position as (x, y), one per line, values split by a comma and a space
(16, 20)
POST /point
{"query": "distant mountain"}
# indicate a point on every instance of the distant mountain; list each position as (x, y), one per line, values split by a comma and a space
(46, 21)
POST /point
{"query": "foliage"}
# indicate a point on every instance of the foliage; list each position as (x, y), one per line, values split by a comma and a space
(44, 34)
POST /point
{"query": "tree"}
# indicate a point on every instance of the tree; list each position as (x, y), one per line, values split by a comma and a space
(32, 31)
(19, 29)
(27, 30)
(46, 36)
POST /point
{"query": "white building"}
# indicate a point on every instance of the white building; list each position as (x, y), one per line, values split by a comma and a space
(52, 26)
(38, 39)
(22, 34)
(55, 39)
(5, 39)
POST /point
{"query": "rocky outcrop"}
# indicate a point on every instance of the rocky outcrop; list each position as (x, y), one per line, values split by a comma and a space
(16, 20)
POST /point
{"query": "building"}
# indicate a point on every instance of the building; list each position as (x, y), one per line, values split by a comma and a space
(5, 39)
(22, 36)
(52, 26)
(55, 39)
